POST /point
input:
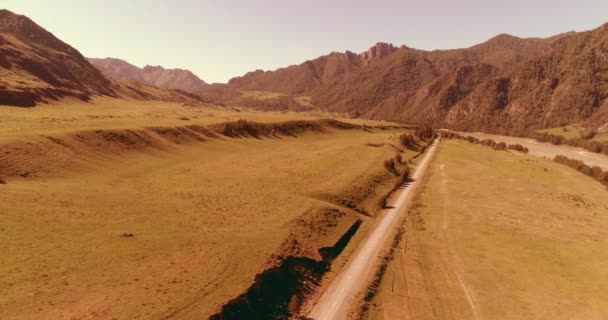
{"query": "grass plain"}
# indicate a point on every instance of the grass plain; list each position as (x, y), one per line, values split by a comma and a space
(116, 230)
(574, 131)
(108, 113)
(500, 235)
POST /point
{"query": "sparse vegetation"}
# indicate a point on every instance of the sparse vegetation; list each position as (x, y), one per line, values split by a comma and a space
(390, 166)
(399, 158)
(425, 133)
(500, 146)
(581, 141)
(405, 175)
(407, 140)
(375, 145)
(349, 204)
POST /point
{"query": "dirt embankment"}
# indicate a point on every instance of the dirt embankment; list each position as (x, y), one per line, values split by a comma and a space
(44, 155)
(278, 292)
(298, 268)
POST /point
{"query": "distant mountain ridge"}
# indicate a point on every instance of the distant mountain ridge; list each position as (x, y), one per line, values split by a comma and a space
(151, 75)
(504, 82)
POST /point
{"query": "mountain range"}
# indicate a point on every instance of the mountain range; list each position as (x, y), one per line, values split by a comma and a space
(151, 75)
(506, 82)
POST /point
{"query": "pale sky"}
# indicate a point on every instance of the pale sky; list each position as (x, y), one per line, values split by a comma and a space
(220, 39)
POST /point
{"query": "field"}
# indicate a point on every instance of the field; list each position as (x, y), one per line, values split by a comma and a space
(500, 235)
(110, 211)
(107, 113)
(261, 95)
(574, 131)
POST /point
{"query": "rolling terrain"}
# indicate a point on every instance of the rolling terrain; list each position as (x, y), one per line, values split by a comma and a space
(172, 214)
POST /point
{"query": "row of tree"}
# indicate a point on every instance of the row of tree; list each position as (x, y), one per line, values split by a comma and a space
(584, 141)
(595, 172)
(485, 142)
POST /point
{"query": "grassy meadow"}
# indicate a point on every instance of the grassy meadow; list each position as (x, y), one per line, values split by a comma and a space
(121, 231)
(500, 235)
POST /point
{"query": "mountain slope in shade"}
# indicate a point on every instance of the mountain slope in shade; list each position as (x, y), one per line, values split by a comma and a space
(35, 66)
(151, 75)
(504, 82)
(567, 82)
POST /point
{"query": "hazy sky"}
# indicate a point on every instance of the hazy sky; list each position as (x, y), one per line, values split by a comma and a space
(221, 39)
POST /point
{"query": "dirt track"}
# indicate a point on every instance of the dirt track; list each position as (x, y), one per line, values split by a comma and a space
(547, 150)
(334, 303)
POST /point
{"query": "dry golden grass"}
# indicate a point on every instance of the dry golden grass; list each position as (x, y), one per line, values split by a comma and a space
(305, 101)
(261, 95)
(574, 131)
(205, 216)
(108, 113)
(525, 237)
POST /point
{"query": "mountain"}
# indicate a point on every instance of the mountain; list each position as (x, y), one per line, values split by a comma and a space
(566, 82)
(151, 75)
(35, 66)
(505, 82)
(313, 74)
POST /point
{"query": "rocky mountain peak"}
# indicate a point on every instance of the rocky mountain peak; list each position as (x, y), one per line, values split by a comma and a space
(377, 52)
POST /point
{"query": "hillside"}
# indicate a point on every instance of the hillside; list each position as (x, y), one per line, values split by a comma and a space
(151, 75)
(35, 66)
(314, 74)
(506, 82)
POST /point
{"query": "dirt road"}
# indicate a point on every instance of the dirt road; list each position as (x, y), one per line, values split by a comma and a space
(547, 150)
(335, 301)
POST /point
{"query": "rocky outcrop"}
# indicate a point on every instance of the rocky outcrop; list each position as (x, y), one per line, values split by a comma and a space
(377, 52)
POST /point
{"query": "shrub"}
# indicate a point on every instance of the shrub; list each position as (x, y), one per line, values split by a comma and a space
(488, 142)
(518, 147)
(596, 172)
(407, 140)
(390, 166)
(399, 158)
(588, 134)
(425, 133)
(500, 146)
(406, 172)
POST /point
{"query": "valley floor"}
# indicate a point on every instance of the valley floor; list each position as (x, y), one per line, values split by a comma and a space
(106, 226)
(500, 235)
